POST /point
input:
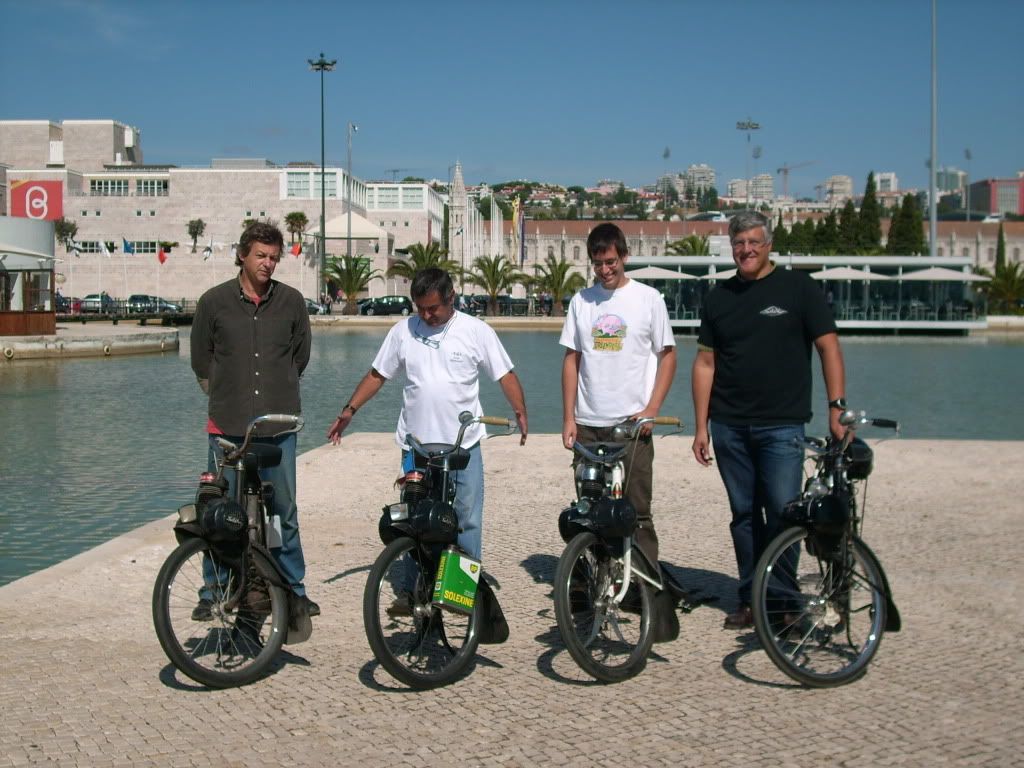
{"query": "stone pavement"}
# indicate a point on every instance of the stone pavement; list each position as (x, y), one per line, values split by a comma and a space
(85, 683)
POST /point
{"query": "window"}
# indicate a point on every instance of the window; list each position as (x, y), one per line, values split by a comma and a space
(967, 252)
(248, 214)
(938, 251)
(405, 223)
(108, 187)
(89, 246)
(144, 246)
(26, 291)
(263, 214)
(298, 184)
(138, 213)
(387, 197)
(151, 187)
(1016, 254)
(330, 185)
(551, 252)
(152, 213)
(97, 213)
(412, 197)
(575, 253)
(85, 213)
(654, 250)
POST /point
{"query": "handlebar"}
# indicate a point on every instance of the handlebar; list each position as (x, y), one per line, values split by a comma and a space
(497, 421)
(628, 430)
(466, 420)
(292, 424)
(852, 420)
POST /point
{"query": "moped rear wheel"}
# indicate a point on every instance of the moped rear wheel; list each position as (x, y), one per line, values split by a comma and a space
(217, 628)
(418, 643)
(610, 641)
(819, 606)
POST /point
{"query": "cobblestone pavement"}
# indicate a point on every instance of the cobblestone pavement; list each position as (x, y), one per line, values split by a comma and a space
(85, 683)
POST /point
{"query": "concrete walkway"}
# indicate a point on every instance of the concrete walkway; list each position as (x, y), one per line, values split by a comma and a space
(91, 339)
(85, 683)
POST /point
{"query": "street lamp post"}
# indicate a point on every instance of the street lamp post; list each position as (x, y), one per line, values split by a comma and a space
(747, 125)
(322, 65)
(967, 182)
(352, 128)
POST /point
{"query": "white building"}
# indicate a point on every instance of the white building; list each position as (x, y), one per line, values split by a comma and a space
(700, 177)
(886, 181)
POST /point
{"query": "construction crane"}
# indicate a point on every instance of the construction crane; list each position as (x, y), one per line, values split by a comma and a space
(395, 171)
(785, 169)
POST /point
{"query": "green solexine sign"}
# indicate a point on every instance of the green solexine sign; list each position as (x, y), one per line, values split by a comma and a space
(457, 577)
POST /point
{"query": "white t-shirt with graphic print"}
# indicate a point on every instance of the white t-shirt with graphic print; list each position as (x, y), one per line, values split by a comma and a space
(620, 334)
(442, 368)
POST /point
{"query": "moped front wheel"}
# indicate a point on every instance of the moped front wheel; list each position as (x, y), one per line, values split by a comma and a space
(216, 627)
(418, 643)
(819, 606)
(609, 640)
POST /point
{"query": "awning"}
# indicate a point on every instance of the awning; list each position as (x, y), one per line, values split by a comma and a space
(847, 273)
(15, 258)
(362, 229)
(944, 274)
(719, 275)
(658, 273)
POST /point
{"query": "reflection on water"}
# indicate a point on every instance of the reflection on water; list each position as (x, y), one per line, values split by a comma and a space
(95, 447)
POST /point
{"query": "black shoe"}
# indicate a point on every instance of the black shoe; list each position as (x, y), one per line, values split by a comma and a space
(402, 606)
(743, 618)
(304, 604)
(203, 610)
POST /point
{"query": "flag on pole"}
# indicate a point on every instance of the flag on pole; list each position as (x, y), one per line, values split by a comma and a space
(108, 251)
(161, 256)
(127, 247)
(74, 247)
(208, 250)
(296, 249)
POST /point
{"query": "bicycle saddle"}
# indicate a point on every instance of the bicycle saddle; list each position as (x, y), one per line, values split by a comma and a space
(456, 460)
(261, 456)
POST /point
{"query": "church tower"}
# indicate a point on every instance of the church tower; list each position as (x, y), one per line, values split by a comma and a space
(458, 204)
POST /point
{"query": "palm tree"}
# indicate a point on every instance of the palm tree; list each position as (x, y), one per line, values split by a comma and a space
(195, 229)
(420, 257)
(558, 279)
(495, 274)
(65, 231)
(351, 275)
(296, 222)
(691, 245)
(1006, 289)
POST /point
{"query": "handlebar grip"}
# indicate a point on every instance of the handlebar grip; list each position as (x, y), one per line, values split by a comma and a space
(668, 421)
(887, 423)
(497, 421)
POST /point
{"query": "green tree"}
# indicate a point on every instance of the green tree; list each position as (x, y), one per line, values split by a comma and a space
(350, 275)
(849, 229)
(65, 230)
(495, 275)
(826, 235)
(1000, 248)
(558, 279)
(691, 245)
(1006, 288)
(195, 230)
(708, 199)
(869, 226)
(780, 236)
(296, 222)
(906, 232)
(894, 229)
(419, 257)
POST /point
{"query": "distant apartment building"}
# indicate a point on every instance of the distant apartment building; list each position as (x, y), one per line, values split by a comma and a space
(737, 188)
(886, 181)
(700, 177)
(950, 180)
(998, 196)
(411, 212)
(836, 189)
(762, 187)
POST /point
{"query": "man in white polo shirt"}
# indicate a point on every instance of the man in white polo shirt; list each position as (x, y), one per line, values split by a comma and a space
(619, 362)
(441, 353)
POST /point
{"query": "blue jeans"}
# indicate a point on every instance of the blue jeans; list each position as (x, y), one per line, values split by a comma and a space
(469, 500)
(289, 554)
(762, 468)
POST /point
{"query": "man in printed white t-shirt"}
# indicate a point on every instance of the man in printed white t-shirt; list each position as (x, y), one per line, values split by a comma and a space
(441, 353)
(619, 362)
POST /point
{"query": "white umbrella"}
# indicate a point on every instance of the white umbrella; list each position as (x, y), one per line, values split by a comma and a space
(719, 275)
(658, 273)
(847, 273)
(944, 274)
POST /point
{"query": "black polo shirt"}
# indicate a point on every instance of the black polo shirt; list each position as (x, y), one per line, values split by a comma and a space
(761, 332)
(252, 353)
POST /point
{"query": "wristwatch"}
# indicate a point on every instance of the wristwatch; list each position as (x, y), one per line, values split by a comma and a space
(839, 403)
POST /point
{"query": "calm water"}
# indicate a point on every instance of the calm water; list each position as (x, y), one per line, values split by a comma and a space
(95, 447)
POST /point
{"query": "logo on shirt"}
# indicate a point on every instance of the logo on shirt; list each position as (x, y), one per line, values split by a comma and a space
(774, 311)
(609, 332)
(455, 356)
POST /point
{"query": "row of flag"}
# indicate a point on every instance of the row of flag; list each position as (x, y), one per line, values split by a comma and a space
(161, 255)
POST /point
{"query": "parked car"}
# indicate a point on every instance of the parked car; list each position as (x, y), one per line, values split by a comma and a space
(315, 308)
(140, 302)
(99, 302)
(388, 305)
(67, 305)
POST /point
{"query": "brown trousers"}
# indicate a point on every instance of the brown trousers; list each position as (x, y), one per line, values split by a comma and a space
(638, 483)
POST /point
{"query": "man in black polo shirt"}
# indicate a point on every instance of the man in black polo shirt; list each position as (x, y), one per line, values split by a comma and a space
(250, 344)
(752, 389)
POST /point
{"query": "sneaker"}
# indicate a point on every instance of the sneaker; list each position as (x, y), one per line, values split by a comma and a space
(402, 606)
(203, 610)
(743, 618)
(304, 605)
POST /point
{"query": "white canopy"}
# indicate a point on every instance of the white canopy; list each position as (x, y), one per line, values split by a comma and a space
(720, 275)
(944, 274)
(658, 273)
(15, 258)
(338, 228)
(847, 273)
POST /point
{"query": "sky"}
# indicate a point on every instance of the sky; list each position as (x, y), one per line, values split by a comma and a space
(555, 91)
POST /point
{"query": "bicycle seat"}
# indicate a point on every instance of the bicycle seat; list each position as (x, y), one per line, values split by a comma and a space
(458, 459)
(261, 456)
(605, 453)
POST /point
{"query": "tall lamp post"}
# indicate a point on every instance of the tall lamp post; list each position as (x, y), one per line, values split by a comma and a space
(322, 65)
(352, 128)
(747, 125)
(967, 182)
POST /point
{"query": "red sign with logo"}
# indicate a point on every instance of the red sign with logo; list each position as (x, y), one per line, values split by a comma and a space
(42, 200)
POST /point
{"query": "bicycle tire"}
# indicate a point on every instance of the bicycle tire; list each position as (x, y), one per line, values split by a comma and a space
(418, 643)
(821, 617)
(593, 627)
(234, 646)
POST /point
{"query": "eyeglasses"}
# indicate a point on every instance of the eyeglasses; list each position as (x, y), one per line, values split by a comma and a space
(744, 243)
(607, 263)
(434, 342)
